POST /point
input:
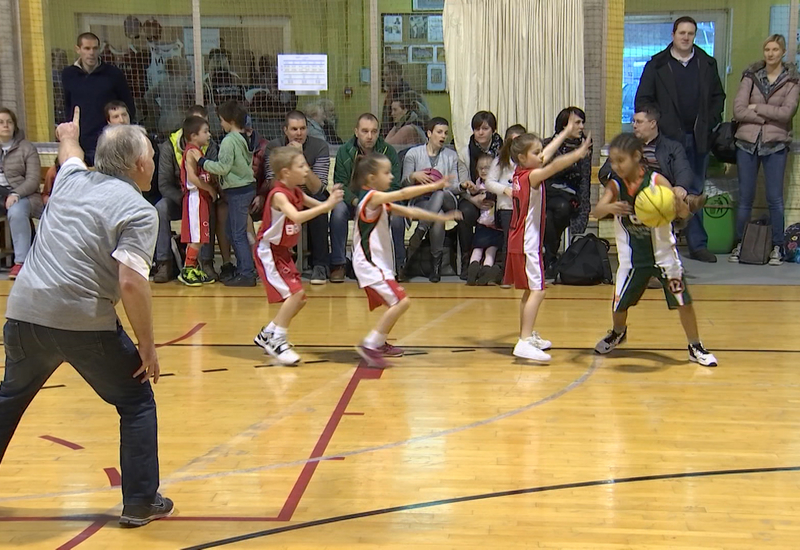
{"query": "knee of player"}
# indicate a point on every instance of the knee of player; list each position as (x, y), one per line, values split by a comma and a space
(404, 304)
(301, 297)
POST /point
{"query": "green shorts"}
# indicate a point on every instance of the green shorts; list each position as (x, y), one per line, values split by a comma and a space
(632, 282)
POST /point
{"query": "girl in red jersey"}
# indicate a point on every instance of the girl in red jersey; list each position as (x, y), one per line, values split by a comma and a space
(524, 266)
(373, 255)
(280, 229)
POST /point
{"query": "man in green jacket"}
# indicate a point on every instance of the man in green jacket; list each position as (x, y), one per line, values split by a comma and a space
(366, 140)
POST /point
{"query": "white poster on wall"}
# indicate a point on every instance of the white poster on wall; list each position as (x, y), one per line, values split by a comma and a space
(392, 28)
(210, 40)
(435, 28)
(302, 72)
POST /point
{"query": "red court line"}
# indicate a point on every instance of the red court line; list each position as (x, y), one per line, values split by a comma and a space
(189, 334)
(113, 477)
(292, 501)
(300, 486)
(83, 535)
(64, 442)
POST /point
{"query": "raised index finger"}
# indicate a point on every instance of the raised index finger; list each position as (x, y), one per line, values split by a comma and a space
(76, 116)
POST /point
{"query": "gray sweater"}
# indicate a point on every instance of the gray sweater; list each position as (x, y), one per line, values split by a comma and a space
(447, 164)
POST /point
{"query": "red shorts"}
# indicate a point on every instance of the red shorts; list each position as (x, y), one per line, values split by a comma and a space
(524, 271)
(384, 293)
(276, 268)
(194, 222)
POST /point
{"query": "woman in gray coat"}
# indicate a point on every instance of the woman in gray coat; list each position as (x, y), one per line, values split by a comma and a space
(20, 176)
(764, 106)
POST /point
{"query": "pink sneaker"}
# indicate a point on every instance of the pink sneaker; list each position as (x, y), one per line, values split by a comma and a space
(372, 357)
(389, 350)
(15, 271)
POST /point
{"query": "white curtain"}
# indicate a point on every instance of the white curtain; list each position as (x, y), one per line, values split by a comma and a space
(520, 59)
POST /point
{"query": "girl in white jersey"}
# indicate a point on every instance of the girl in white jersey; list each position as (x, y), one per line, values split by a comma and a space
(373, 256)
(644, 252)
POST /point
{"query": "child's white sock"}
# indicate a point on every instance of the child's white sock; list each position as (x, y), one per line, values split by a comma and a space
(280, 332)
(374, 340)
(269, 329)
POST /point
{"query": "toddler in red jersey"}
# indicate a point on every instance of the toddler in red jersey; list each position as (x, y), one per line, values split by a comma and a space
(524, 264)
(198, 194)
(280, 228)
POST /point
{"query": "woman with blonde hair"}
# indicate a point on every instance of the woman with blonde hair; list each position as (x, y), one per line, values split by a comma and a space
(764, 106)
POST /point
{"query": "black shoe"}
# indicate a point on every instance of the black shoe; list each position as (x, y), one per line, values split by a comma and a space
(402, 275)
(136, 515)
(611, 341)
(703, 255)
(240, 280)
(207, 267)
(436, 274)
(472, 273)
(489, 275)
(227, 271)
(550, 274)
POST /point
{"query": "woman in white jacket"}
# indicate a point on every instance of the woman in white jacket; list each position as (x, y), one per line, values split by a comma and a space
(499, 182)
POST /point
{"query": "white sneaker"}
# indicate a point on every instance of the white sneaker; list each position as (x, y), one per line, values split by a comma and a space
(279, 348)
(698, 354)
(540, 342)
(526, 349)
(776, 256)
(734, 257)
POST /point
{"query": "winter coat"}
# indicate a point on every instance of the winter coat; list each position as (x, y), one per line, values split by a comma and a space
(772, 117)
(657, 88)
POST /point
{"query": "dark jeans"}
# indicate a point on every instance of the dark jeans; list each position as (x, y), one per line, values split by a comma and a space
(169, 211)
(774, 169)
(466, 229)
(504, 219)
(107, 361)
(398, 227)
(696, 235)
(318, 235)
(557, 216)
(239, 201)
(341, 214)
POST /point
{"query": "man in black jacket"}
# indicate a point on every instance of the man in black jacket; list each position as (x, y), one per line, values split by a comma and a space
(683, 83)
(91, 84)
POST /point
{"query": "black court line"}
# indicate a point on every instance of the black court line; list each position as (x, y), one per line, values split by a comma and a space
(463, 350)
(215, 370)
(53, 386)
(516, 298)
(485, 496)
(166, 374)
(316, 361)
(506, 347)
(413, 353)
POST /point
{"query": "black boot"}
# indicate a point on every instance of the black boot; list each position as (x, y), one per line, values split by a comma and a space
(414, 243)
(436, 274)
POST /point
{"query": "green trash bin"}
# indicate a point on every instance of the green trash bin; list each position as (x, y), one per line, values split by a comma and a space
(719, 220)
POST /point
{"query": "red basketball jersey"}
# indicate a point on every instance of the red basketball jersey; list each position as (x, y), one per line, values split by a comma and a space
(527, 220)
(276, 228)
(201, 174)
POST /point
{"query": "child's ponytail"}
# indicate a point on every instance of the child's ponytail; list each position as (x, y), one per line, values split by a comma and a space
(365, 166)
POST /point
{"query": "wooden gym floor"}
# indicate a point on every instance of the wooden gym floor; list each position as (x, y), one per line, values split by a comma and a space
(458, 446)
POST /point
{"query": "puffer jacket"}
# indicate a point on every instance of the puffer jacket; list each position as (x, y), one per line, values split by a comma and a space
(772, 117)
(22, 168)
(23, 172)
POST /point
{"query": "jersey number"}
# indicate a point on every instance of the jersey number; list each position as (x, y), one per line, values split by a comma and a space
(293, 229)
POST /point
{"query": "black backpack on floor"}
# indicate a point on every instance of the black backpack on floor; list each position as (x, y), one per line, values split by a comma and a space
(585, 262)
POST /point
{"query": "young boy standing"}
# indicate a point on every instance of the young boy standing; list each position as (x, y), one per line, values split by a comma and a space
(238, 185)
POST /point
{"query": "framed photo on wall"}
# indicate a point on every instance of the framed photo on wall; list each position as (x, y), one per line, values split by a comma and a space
(428, 5)
(437, 81)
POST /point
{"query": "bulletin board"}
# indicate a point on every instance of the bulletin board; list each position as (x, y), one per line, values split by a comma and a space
(416, 41)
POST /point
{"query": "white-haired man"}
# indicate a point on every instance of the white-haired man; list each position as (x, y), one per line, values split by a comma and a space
(94, 246)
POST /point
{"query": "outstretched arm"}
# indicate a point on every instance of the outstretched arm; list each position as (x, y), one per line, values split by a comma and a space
(536, 177)
(408, 193)
(414, 213)
(608, 205)
(553, 146)
(281, 202)
(68, 135)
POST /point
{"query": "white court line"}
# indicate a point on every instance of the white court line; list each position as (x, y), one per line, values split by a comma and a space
(427, 327)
